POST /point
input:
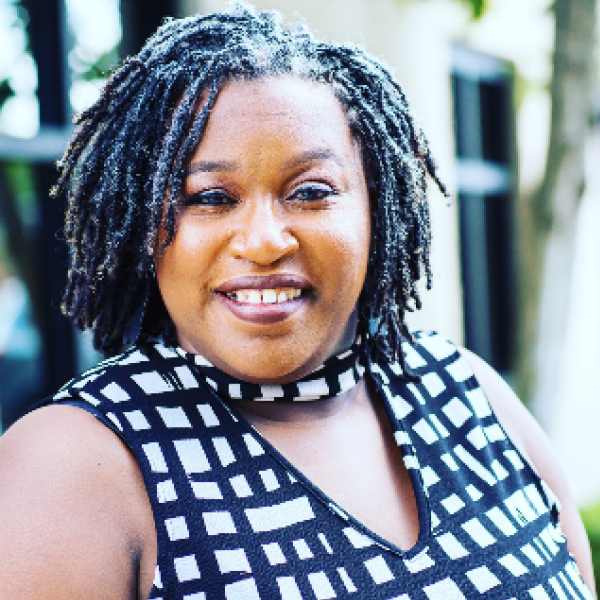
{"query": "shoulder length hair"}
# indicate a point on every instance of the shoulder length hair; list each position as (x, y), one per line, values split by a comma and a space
(125, 166)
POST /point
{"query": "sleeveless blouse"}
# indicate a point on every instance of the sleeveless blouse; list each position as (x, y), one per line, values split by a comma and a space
(236, 521)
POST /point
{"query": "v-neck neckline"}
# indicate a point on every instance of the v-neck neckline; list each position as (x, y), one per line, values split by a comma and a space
(416, 479)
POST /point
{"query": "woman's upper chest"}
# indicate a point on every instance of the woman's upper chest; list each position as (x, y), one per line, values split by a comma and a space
(352, 457)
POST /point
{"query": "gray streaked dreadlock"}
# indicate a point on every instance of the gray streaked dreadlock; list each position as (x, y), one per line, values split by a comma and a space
(125, 166)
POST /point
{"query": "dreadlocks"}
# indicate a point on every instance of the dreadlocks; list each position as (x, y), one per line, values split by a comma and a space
(125, 166)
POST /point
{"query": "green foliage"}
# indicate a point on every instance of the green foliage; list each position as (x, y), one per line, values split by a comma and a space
(19, 177)
(103, 66)
(591, 521)
(477, 7)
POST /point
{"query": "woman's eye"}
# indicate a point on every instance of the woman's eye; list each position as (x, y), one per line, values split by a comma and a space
(213, 198)
(312, 193)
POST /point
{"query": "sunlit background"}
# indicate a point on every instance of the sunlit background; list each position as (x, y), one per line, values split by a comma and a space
(479, 75)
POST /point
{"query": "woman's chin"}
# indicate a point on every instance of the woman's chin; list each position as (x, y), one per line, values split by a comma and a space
(276, 373)
(268, 366)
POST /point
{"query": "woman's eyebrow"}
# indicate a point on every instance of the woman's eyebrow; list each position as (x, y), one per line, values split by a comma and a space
(310, 155)
(212, 166)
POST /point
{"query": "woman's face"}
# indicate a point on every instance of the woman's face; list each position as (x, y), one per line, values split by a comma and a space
(272, 240)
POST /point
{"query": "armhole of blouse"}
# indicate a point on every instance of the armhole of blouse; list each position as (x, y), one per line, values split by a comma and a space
(93, 411)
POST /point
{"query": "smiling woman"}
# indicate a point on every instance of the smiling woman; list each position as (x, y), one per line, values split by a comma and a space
(273, 234)
(247, 211)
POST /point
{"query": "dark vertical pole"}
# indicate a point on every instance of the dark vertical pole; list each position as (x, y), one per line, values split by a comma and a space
(47, 29)
(140, 20)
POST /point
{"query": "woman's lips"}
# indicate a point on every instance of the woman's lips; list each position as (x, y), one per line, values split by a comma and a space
(264, 299)
(263, 313)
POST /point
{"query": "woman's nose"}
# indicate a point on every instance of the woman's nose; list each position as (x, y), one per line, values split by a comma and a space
(263, 237)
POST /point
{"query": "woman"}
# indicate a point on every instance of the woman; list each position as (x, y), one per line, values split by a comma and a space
(247, 206)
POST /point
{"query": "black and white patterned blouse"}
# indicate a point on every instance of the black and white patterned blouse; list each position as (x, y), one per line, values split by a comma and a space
(236, 521)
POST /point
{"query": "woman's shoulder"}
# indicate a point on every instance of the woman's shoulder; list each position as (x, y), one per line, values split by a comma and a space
(65, 438)
(72, 507)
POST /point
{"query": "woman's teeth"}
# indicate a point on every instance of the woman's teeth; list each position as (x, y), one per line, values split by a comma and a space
(264, 296)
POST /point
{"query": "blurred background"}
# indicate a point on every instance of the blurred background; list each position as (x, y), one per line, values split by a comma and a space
(507, 92)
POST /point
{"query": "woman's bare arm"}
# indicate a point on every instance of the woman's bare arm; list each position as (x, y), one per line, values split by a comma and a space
(535, 446)
(73, 523)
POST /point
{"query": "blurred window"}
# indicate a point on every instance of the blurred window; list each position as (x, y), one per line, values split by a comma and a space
(54, 57)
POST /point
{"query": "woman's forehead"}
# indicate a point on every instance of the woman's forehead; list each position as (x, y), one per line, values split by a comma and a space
(277, 106)
(293, 94)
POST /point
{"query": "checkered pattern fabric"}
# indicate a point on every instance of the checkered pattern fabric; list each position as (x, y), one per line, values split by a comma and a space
(236, 521)
(336, 375)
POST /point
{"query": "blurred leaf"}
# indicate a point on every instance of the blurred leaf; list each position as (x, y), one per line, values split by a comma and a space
(477, 7)
(20, 178)
(591, 521)
(103, 66)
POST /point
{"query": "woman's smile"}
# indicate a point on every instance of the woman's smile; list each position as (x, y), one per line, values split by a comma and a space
(273, 232)
(264, 300)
